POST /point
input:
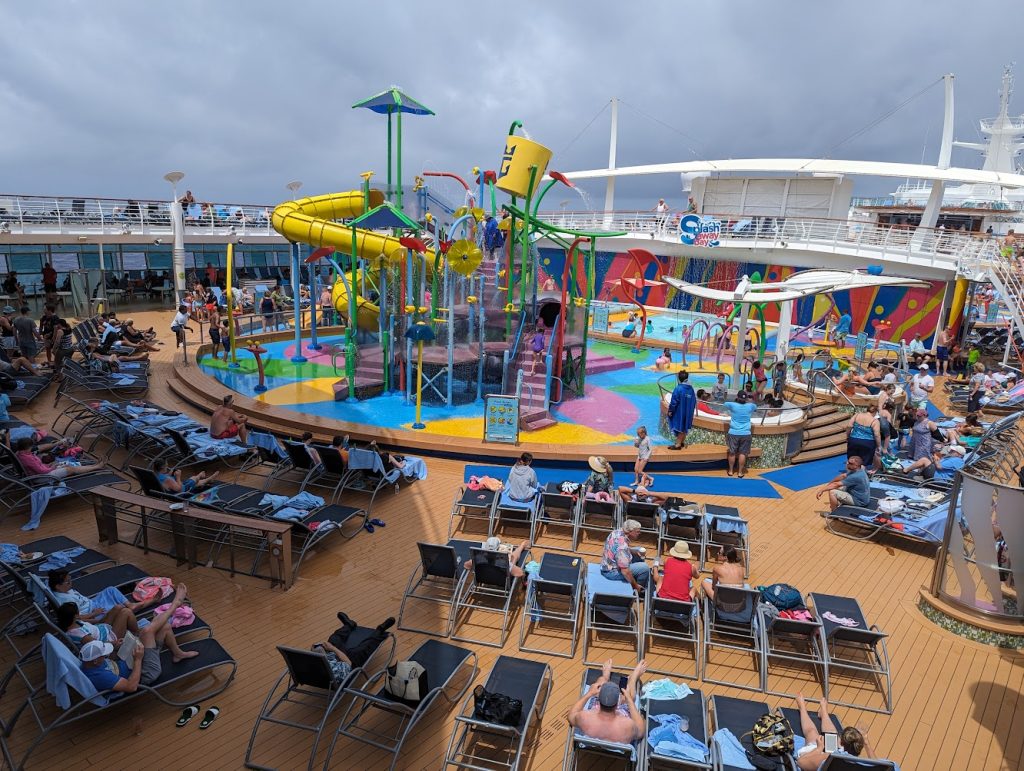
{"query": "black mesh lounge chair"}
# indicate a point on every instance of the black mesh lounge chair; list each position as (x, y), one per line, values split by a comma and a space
(479, 744)
(730, 623)
(297, 466)
(489, 587)
(442, 662)
(684, 521)
(553, 597)
(308, 684)
(647, 514)
(793, 716)
(435, 580)
(557, 509)
(677, 624)
(737, 715)
(517, 514)
(596, 516)
(472, 505)
(836, 762)
(725, 527)
(796, 646)
(853, 650)
(577, 744)
(611, 607)
(78, 380)
(333, 471)
(694, 709)
(212, 657)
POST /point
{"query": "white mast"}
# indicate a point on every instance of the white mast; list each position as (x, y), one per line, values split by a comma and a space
(1005, 134)
(609, 192)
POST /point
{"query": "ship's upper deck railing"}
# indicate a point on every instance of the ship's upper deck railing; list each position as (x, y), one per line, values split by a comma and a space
(898, 201)
(42, 215)
(915, 246)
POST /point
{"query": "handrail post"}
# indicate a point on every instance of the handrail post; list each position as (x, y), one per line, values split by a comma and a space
(547, 381)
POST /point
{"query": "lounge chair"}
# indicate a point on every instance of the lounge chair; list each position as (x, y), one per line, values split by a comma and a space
(435, 580)
(694, 709)
(647, 514)
(487, 587)
(598, 516)
(738, 716)
(553, 595)
(683, 521)
(481, 744)
(557, 509)
(853, 649)
(308, 684)
(472, 505)
(611, 607)
(510, 512)
(442, 662)
(730, 623)
(837, 762)
(576, 744)
(82, 700)
(675, 622)
(798, 643)
(725, 527)
(297, 466)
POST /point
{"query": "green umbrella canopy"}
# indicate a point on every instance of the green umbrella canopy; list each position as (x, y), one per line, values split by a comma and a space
(393, 100)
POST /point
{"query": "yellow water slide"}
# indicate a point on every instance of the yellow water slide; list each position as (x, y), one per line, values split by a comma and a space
(310, 221)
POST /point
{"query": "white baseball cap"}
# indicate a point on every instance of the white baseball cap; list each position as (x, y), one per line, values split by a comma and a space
(96, 650)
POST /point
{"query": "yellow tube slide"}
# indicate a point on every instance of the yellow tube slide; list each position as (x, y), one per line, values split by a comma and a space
(309, 221)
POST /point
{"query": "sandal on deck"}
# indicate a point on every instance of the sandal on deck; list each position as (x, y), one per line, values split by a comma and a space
(187, 714)
(209, 717)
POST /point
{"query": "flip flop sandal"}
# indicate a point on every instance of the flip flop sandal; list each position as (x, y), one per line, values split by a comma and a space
(209, 717)
(368, 527)
(187, 714)
(378, 523)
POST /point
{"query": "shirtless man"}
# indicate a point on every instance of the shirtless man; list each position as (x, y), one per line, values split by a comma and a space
(607, 712)
(225, 423)
(729, 572)
(810, 757)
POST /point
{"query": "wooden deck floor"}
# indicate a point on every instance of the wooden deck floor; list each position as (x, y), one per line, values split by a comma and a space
(958, 704)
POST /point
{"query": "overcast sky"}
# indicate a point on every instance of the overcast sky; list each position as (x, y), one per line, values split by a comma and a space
(104, 98)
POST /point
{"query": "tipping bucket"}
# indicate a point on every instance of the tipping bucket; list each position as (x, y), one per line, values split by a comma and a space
(520, 154)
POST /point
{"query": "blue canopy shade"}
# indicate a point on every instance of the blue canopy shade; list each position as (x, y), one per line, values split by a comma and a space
(393, 100)
(420, 333)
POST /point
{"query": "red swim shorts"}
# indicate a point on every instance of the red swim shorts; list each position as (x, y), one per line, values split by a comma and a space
(230, 431)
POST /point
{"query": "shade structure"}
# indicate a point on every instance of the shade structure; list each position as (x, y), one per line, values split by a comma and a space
(393, 100)
(420, 332)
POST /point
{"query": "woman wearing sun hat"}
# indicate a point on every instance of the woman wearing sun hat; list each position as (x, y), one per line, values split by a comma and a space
(674, 579)
(600, 485)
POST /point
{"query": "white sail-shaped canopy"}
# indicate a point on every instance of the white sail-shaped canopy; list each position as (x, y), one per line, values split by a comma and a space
(801, 284)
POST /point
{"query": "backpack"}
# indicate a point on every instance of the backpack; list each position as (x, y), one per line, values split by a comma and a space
(771, 735)
(406, 680)
(782, 596)
(152, 588)
(498, 708)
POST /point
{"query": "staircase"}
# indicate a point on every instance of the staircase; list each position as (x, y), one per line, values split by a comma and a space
(369, 376)
(985, 262)
(533, 415)
(824, 431)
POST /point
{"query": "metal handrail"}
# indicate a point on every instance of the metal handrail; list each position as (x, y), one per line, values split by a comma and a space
(818, 373)
(763, 411)
(513, 352)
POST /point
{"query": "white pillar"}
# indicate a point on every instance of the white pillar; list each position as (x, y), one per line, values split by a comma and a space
(609, 191)
(741, 334)
(1009, 341)
(785, 325)
(946, 144)
(178, 252)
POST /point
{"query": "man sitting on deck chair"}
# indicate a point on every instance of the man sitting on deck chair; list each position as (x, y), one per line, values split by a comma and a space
(225, 423)
(617, 563)
(343, 657)
(494, 544)
(110, 673)
(851, 488)
(522, 484)
(607, 712)
(812, 754)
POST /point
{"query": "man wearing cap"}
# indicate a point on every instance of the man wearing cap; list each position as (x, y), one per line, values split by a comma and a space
(673, 582)
(741, 412)
(608, 712)
(921, 386)
(617, 562)
(110, 673)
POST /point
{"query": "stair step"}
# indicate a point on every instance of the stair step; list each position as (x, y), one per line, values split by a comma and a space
(805, 456)
(539, 424)
(830, 419)
(821, 442)
(826, 429)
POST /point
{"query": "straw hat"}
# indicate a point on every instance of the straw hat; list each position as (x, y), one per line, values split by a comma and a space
(681, 550)
(597, 463)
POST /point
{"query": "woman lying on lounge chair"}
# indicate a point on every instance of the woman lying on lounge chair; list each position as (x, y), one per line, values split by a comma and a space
(82, 631)
(34, 465)
(173, 483)
(809, 757)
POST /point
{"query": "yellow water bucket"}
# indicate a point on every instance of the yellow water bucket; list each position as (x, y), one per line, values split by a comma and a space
(520, 154)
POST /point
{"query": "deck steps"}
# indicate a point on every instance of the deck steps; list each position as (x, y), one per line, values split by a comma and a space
(824, 434)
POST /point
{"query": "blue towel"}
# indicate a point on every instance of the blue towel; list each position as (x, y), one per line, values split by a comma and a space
(669, 739)
(305, 501)
(598, 583)
(730, 749)
(290, 514)
(60, 559)
(415, 468)
(26, 432)
(40, 500)
(9, 553)
(365, 460)
(108, 598)
(269, 499)
(506, 501)
(664, 688)
(266, 442)
(64, 670)
(729, 525)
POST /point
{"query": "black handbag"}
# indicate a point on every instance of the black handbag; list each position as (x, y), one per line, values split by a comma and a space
(496, 708)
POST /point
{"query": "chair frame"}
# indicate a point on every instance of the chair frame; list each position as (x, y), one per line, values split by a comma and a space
(731, 635)
(575, 744)
(593, 508)
(462, 509)
(422, 577)
(657, 609)
(653, 760)
(739, 541)
(778, 632)
(593, 623)
(476, 594)
(550, 503)
(552, 591)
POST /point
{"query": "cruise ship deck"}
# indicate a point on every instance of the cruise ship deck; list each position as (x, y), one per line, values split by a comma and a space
(957, 704)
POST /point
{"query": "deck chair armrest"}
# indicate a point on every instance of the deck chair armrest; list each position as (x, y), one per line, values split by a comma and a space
(490, 727)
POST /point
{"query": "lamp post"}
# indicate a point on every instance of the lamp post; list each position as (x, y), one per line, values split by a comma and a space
(177, 229)
(297, 358)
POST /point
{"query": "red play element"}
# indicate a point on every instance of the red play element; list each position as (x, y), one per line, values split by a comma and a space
(640, 259)
(559, 176)
(448, 174)
(444, 246)
(581, 271)
(490, 176)
(415, 244)
(323, 251)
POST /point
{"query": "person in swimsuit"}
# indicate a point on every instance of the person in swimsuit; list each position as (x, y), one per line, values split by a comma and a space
(761, 379)
(225, 423)
(664, 360)
(727, 573)
(173, 482)
(812, 754)
(537, 347)
(608, 712)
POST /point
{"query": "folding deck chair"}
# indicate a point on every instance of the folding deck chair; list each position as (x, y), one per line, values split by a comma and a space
(739, 716)
(599, 516)
(553, 594)
(297, 466)
(837, 762)
(730, 623)
(309, 683)
(725, 527)
(488, 587)
(82, 701)
(672, 621)
(694, 709)
(611, 606)
(510, 512)
(576, 743)
(557, 509)
(442, 662)
(436, 579)
(647, 514)
(797, 643)
(683, 521)
(472, 505)
(853, 649)
(480, 744)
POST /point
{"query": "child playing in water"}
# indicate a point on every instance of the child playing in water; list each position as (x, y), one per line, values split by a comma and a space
(537, 346)
(798, 368)
(664, 360)
(719, 392)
